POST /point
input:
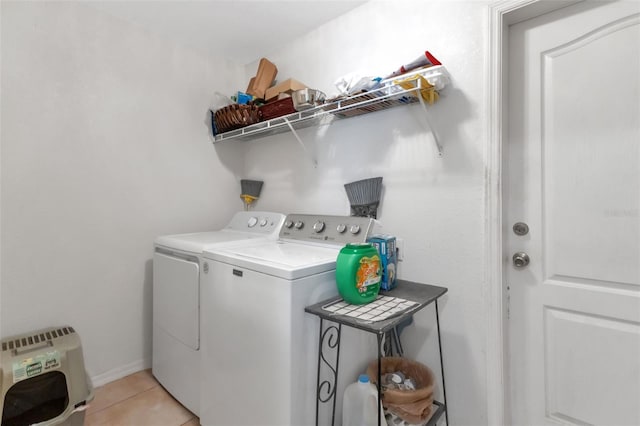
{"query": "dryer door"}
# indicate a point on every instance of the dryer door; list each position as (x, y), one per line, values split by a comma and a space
(176, 289)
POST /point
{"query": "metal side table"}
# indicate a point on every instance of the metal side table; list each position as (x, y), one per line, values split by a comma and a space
(330, 332)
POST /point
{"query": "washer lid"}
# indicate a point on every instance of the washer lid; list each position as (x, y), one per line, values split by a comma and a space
(282, 259)
(197, 242)
(244, 225)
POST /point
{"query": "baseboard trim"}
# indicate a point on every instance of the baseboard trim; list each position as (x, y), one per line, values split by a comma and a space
(120, 372)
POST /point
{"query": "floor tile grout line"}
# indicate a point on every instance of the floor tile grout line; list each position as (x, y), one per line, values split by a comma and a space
(194, 417)
(157, 385)
(123, 400)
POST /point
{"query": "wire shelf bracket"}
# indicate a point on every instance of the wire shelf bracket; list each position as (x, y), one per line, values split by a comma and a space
(295, 135)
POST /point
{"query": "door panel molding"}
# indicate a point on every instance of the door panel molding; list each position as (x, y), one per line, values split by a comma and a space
(577, 392)
(594, 35)
(613, 287)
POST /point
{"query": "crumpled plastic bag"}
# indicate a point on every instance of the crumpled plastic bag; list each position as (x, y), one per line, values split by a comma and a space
(355, 82)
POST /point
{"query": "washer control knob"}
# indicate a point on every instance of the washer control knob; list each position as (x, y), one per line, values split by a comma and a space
(263, 222)
(354, 229)
(288, 224)
(318, 227)
(341, 228)
(252, 221)
(299, 224)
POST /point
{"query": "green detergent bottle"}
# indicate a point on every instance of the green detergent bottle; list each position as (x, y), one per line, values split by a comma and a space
(358, 273)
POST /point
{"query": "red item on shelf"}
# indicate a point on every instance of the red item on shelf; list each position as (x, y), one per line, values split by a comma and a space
(425, 60)
(277, 108)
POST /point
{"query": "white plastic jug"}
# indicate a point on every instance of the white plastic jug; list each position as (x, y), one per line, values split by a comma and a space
(359, 404)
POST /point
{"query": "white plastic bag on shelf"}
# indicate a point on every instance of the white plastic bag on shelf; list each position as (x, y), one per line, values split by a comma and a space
(355, 82)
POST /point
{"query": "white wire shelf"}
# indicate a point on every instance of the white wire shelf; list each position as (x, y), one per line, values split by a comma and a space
(390, 95)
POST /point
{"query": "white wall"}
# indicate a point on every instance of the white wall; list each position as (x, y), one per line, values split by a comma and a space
(104, 147)
(435, 204)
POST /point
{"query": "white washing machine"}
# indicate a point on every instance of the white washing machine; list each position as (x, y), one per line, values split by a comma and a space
(176, 299)
(259, 347)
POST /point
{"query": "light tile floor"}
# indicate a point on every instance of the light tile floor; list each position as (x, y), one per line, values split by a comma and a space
(136, 400)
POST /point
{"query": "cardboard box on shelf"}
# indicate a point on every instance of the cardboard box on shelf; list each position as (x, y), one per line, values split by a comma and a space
(288, 86)
(386, 245)
(264, 78)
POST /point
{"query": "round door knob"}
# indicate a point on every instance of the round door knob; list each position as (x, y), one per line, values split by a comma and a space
(318, 227)
(520, 259)
(298, 225)
(288, 224)
(354, 229)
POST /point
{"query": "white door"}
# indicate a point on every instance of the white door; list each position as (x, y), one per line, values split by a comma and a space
(572, 174)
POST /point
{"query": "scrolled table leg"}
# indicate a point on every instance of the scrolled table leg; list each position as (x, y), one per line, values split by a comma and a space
(328, 348)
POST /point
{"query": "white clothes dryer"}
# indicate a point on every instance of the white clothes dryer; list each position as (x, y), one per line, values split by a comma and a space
(177, 265)
(259, 348)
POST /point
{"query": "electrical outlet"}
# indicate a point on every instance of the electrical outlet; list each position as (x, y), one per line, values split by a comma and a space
(400, 249)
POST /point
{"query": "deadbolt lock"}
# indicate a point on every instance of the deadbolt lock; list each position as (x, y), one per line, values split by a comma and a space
(521, 228)
(520, 259)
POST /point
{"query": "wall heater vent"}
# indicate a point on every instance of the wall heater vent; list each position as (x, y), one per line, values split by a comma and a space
(24, 343)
